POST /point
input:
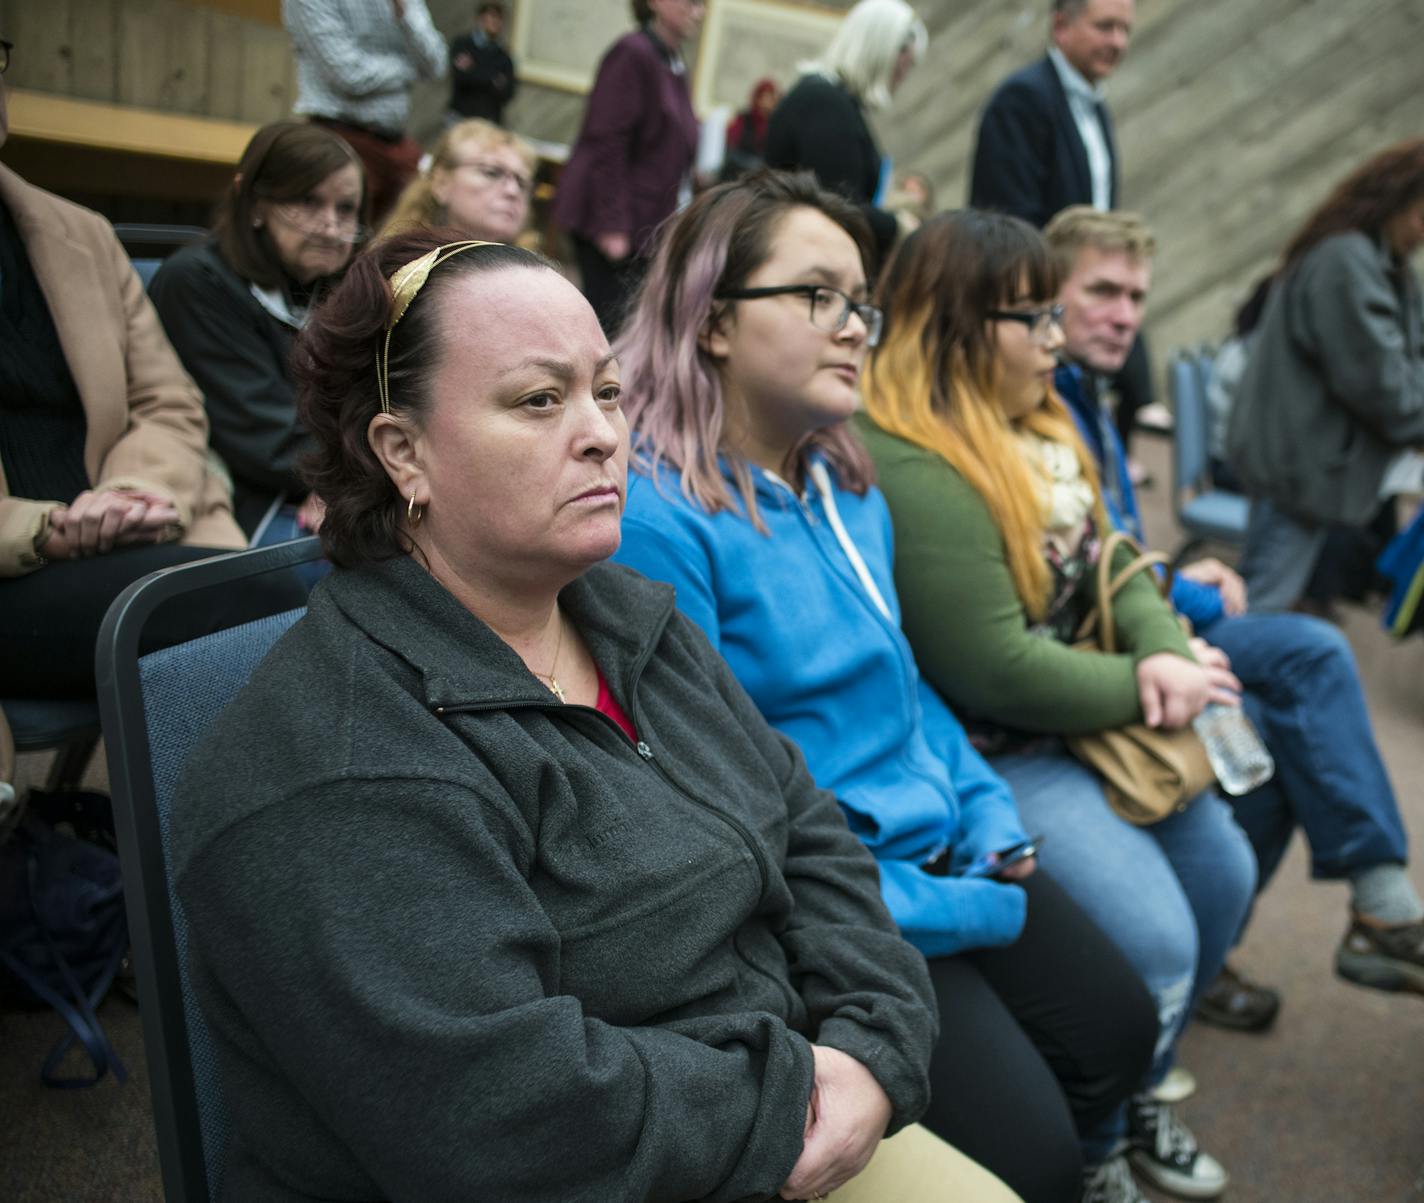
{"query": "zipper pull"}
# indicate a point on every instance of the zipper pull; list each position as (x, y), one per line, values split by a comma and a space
(644, 751)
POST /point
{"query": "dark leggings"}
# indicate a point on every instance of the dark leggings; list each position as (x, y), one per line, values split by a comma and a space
(1039, 1044)
(608, 285)
(49, 618)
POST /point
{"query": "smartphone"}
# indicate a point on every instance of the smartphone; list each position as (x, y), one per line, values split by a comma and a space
(994, 863)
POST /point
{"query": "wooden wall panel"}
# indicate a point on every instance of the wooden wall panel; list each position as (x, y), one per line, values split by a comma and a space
(94, 29)
(163, 56)
(269, 73)
(43, 58)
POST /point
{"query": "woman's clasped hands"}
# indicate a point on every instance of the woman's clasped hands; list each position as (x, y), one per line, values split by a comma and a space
(845, 1121)
(97, 521)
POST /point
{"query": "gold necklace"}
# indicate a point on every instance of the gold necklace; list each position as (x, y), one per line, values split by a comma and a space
(554, 667)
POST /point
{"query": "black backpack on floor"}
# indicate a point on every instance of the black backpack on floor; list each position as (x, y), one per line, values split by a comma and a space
(63, 931)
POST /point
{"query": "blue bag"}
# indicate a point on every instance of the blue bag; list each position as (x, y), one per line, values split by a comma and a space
(63, 937)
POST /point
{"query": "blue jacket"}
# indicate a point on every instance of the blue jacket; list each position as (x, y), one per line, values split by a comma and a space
(1201, 604)
(820, 650)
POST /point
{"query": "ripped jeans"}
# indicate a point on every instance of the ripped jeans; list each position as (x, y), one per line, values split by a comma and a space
(1172, 896)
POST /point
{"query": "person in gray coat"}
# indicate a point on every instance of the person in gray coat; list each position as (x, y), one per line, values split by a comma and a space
(538, 907)
(1332, 402)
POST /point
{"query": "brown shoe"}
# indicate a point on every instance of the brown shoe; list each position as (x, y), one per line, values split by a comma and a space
(1233, 1002)
(1385, 958)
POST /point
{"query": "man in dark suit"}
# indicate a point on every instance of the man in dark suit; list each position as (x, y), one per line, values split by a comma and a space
(1046, 142)
(481, 71)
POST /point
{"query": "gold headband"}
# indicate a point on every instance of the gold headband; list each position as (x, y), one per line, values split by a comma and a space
(406, 282)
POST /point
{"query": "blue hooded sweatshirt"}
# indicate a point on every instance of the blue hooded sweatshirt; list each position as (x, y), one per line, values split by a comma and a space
(808, 619)
(1201, 604)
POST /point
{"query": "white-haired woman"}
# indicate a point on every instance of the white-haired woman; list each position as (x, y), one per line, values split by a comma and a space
(820, 125)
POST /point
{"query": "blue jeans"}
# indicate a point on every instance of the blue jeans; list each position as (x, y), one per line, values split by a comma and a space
(1280, 556)
(1303, 693)
(283, 528)
(1172, 896)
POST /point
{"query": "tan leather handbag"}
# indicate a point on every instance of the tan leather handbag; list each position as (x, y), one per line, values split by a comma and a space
(1147, 773)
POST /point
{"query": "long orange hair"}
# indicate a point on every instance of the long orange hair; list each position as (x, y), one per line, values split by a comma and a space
(934, 378)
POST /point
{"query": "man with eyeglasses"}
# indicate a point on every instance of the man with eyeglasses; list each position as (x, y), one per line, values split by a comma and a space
(357, 61)
(1303, 690)
(481, 72)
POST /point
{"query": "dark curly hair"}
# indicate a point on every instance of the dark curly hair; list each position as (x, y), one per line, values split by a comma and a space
(1366, 199)
(334, 367)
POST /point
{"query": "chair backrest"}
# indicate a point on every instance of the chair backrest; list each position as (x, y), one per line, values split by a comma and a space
(155, 709)
(147, 269)
(159, 241)
(1186, 381)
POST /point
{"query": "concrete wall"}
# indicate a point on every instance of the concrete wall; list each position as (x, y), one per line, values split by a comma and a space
(1234, 118)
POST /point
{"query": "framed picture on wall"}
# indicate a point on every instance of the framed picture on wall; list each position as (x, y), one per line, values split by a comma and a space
(558, 43)
(747, 40)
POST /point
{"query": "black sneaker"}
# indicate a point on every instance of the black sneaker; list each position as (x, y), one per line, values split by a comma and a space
(1111, 1182)
(1164, 1151)
(1387, 958)
(1233, 1002)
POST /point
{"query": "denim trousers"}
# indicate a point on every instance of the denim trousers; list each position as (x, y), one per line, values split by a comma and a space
(1303, 693)
(1280, 557)
(1172, 896)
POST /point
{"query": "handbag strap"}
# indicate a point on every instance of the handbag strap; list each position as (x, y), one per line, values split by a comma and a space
(1110, 585)
(75, 1006)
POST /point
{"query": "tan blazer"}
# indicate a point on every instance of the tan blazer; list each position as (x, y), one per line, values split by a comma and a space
(145, 422)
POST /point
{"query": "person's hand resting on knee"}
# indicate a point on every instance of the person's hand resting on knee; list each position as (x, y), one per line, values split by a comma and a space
(1227, 581)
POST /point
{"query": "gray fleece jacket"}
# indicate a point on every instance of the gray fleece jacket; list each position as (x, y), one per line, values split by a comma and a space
(457, 941)
(1335, 385)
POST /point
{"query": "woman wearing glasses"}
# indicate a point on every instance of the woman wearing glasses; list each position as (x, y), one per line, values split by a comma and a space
(479, 182)
(752, 496)
(997, 517)
(284, 231)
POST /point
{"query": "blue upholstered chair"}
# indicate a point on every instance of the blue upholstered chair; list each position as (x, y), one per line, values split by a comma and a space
(69, 726)
(155, 709)
(149, 245)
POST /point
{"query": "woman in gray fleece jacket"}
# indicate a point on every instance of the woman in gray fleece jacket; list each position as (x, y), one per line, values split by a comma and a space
(1332, 400)
(538, 907)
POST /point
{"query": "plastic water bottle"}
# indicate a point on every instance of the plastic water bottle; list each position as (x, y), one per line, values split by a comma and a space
(1238, 757)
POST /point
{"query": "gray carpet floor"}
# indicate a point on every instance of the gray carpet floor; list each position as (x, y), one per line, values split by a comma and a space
(1326, 1108)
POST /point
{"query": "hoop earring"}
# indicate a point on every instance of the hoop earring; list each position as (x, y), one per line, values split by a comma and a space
(413, 513)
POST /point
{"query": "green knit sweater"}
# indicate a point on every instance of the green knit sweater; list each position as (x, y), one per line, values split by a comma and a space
(969, 630)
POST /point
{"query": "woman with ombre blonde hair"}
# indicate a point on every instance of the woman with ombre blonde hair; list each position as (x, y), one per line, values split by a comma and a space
(479, 181)
(998, 523)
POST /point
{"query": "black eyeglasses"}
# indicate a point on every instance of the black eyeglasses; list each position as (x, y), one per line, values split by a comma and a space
(830, 307)
(1040, 321)
(5, 48)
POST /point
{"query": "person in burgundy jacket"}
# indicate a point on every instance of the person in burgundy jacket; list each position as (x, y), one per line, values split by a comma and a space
(632, 160)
